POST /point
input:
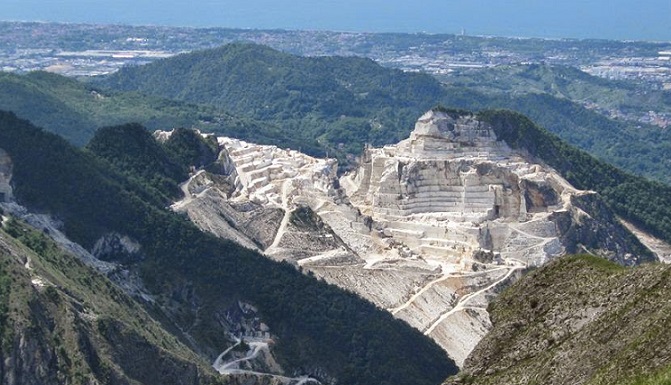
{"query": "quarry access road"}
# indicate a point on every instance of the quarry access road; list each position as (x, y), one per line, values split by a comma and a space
(184, 187)
(444, 277)
(231, 367)
(461, 304)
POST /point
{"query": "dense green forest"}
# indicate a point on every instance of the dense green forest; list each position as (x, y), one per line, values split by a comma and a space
(340, 102)
(319, 325)
(134, 152)
(645, 203)
(344, 102)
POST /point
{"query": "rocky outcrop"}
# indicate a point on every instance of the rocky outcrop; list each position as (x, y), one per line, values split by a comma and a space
(5, 177)
(117, 248)
(431, 228)
(452, 174)
(251, 191)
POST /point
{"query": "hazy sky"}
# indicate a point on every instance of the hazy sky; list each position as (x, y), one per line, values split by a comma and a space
(612, 19)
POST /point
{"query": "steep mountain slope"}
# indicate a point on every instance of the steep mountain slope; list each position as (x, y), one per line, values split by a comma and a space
(63, 322)
(637, 148)
(201, 287)
(578, 320)
(345, 102)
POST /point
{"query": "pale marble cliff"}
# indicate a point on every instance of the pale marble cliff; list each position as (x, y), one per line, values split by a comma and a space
(430, 228)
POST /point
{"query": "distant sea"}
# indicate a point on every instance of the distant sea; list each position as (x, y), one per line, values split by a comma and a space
(602, 19)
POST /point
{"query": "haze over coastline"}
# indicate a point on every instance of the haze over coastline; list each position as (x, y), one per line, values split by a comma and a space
(600, 19)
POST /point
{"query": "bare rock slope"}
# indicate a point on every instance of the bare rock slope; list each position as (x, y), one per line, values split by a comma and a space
(430, 229)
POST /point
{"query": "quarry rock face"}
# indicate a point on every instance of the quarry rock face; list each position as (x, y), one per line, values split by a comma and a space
(453, 190)
(430, 229)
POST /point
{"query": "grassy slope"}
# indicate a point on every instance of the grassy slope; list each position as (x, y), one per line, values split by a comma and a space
(579, 320)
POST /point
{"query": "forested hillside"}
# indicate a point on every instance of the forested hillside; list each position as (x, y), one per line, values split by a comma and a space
(562, 82)
(555, 98)
(75, 110)
(344, 102)
(194, 276)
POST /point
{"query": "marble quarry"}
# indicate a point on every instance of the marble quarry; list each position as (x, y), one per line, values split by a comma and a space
(430, 228)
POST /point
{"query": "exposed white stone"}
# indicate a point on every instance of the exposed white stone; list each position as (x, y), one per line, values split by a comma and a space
(260, 172)
(163, 136)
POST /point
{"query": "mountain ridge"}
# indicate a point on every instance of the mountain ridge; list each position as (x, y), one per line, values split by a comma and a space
(75, 110)
(63, 321)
